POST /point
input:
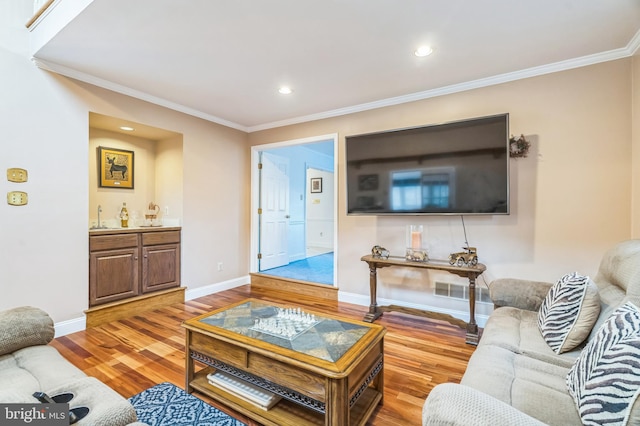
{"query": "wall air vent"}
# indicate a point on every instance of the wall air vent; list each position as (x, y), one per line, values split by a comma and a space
(460, 291)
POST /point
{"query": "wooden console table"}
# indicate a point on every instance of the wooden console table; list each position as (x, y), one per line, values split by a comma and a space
(470, 272)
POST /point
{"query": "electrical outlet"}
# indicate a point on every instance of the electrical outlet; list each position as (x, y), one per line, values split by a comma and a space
(17, 198)
(16, 174)
(220, 266)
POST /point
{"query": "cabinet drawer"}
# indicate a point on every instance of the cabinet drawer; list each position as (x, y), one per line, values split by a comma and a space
(167, 237)
(111, 242)
(218, 350)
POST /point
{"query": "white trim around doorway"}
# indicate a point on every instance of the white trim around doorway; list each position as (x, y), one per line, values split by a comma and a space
(255, 157)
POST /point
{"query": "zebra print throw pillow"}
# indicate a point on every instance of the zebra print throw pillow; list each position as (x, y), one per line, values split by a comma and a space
(605, 379)
(568, 312)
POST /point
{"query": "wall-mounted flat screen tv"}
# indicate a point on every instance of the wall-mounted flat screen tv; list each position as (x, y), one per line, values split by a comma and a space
(459, 168)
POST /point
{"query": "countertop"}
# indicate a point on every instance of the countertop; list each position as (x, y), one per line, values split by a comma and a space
(132, 230)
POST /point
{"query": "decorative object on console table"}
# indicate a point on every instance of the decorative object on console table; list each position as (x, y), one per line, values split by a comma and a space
(415, 251)
(468, 257)
(115, 168)
(379, 252)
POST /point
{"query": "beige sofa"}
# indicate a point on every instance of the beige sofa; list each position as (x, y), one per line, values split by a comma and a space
(514, 377)
(28, 365)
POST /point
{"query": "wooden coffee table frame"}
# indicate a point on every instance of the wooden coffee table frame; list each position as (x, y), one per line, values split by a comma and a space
(314, 391)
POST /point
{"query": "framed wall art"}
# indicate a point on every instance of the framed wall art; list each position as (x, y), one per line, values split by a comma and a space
(316, 185)
(115, 168)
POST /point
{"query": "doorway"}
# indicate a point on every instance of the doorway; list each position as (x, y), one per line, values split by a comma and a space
(294, 209)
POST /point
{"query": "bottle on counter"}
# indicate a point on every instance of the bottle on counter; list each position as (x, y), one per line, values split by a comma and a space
(124, 216)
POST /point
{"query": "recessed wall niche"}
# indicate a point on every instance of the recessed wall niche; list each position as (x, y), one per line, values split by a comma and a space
(158, 171)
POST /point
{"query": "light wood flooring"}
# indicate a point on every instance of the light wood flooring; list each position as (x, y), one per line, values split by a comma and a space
(136, 353)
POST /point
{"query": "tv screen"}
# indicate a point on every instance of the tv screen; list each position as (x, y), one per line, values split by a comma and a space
(457, 168)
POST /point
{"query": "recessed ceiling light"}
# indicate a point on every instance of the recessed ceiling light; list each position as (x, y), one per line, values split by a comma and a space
(423, 51)
(284, 90)
(127, 128)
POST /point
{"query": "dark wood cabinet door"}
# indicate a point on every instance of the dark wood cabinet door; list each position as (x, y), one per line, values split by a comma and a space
(113, 275)
(160, 267)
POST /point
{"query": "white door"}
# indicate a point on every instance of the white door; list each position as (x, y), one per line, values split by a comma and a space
(274, 204)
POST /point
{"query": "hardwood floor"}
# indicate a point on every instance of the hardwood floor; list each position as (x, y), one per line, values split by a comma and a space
(135, 353)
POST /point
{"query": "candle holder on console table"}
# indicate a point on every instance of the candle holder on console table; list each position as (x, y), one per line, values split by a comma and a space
(415, 251)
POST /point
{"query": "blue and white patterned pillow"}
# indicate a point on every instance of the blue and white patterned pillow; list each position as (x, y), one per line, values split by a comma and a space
(568, 312)
(605, 379)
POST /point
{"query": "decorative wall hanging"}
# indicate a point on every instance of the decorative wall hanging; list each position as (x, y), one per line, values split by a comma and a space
(518, 148)
(115, 168)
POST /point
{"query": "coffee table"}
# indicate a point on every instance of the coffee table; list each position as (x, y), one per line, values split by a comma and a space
(326, 370)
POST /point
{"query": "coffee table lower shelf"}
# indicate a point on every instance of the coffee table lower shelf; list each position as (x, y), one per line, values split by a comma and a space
(285, 412)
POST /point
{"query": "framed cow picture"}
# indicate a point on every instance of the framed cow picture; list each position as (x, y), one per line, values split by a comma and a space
(115, 168)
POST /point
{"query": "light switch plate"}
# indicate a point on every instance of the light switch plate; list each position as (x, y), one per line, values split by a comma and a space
(17, 198)
(16, 174)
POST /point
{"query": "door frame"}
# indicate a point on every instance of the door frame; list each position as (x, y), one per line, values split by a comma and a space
(255, 195)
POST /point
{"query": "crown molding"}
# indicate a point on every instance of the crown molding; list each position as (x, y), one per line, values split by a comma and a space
(634, 44)
(105, 84)
(630, 50)
(583, 61)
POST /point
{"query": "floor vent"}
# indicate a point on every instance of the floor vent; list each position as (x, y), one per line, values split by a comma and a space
(459, 291)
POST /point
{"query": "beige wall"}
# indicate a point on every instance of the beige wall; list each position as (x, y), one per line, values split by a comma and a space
(635, 182)
(570, 199)
(45, 128)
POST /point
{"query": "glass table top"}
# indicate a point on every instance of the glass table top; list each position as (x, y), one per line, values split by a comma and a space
(291, 328)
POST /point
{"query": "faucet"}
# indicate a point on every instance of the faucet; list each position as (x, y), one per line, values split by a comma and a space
(99, 225)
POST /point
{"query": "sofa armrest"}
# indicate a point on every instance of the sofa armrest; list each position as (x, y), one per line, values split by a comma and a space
(452, 404)
(517, 293)
(24, 326)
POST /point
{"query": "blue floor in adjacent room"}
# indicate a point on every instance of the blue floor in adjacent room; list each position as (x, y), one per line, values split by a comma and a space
(317, 269)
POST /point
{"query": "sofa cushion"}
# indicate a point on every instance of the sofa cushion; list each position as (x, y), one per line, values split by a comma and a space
(32, 369)
(525, 383)
(517, 331)
(452, 404)
(605, 380)
(569, 312)
(24, 326)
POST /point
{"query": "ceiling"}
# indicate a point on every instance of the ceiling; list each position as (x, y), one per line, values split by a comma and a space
(224, 60)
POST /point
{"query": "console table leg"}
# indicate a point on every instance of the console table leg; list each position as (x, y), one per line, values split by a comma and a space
(472, 326)
(373, 313)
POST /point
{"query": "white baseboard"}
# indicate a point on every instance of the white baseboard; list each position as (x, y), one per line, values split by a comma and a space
(364, 300)
(70, 326)
(217, 287)
(63, 328)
